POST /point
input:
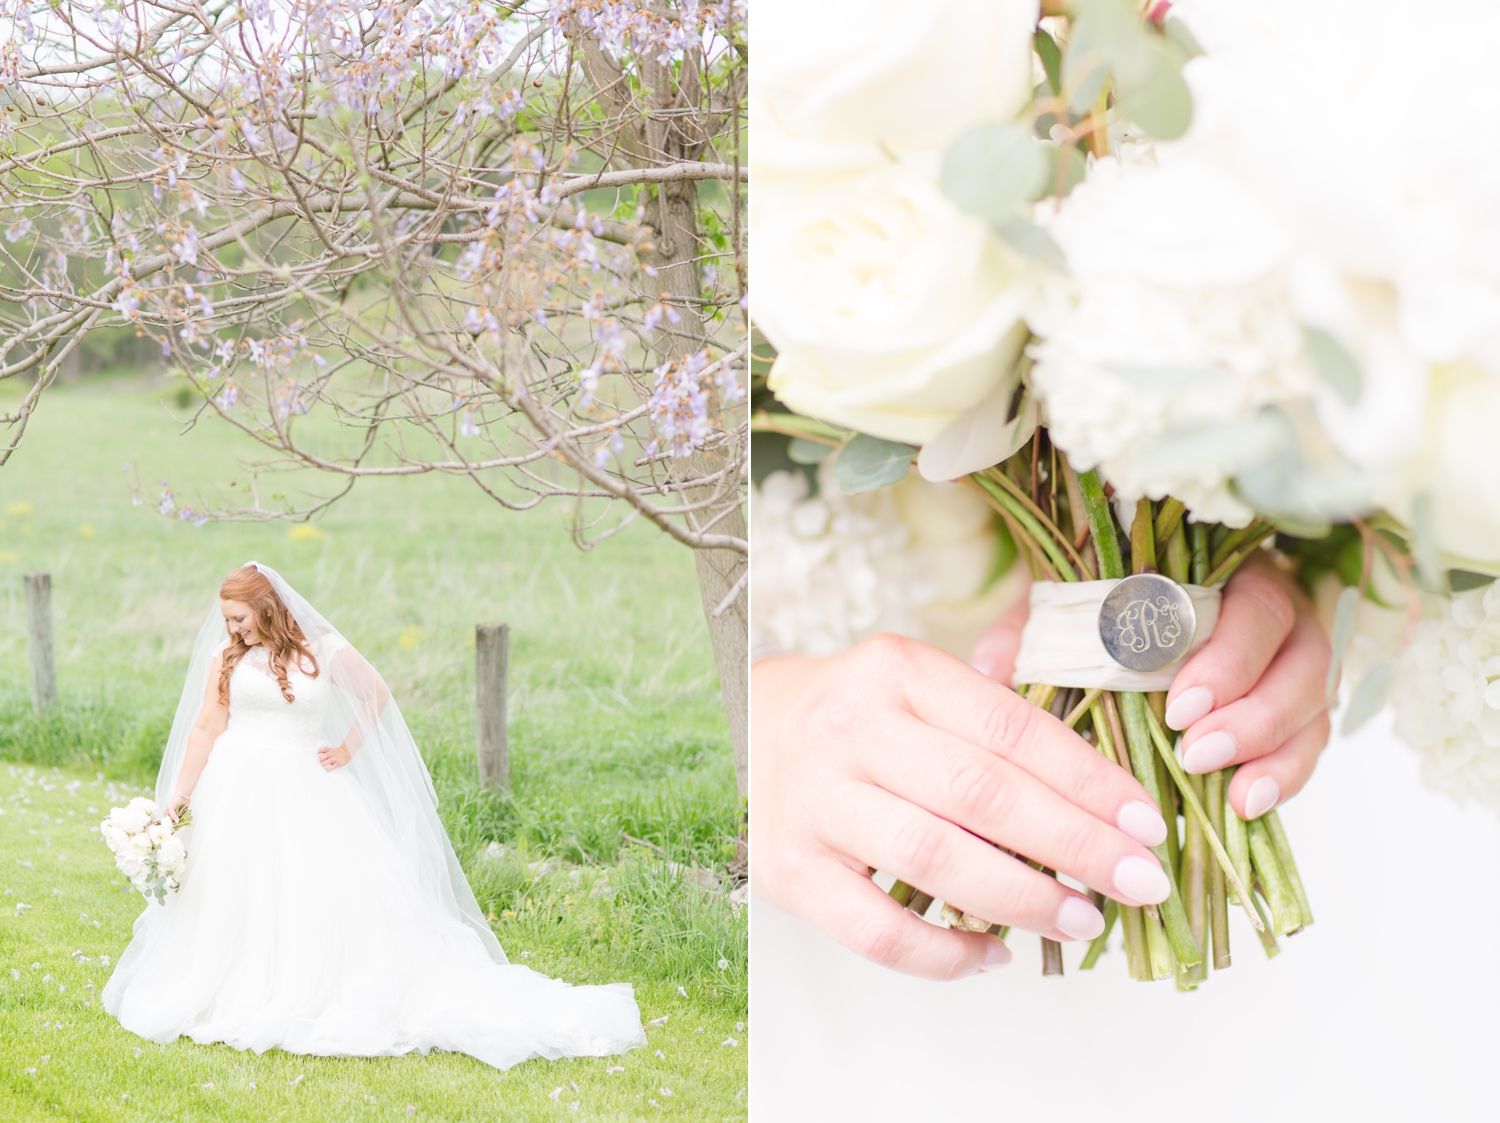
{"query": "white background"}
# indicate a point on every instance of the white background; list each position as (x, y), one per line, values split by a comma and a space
(1384, 1009)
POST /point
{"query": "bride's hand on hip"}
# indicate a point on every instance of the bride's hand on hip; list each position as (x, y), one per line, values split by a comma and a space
(336, 757)
(897, 756)
(1252, 696)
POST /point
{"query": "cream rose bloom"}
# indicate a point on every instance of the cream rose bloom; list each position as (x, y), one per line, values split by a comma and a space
(891, 310)
(838, 81)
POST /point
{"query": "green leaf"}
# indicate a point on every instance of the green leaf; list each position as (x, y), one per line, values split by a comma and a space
(1343, 629)
(1026, 237)
(1152, 92)
(803, 451)
(1336, 366)
(867, 463)
(1462, 580)
(992, 170)
(1369, 696)
(1071, 176)
(1051, 56)
(1085, 66)
(1177, 32)
(1424, 547)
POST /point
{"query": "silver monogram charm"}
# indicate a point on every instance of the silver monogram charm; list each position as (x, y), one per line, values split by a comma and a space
(1147, 622)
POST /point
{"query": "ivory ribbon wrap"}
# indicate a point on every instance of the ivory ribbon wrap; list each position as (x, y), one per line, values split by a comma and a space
(1060, 644)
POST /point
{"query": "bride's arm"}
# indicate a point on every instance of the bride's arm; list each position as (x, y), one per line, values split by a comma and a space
(351, 672)
(212, 719)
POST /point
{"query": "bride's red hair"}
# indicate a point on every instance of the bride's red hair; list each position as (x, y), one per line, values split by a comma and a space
(279, 634)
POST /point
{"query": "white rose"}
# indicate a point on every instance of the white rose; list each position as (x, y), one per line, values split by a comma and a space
(159, 832)
(141, 844)
(837, 81)
(114, 837)
(891, 310)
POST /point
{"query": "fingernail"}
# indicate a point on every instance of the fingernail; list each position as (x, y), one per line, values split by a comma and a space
(996, 955)
(1141, 880)
(1192, 704)
(1143, 823)
(983, 666)
(1079, 919)
(1263, 795)
(1210, 752)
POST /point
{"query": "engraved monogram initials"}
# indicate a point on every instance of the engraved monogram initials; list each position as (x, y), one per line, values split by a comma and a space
(1149, 623)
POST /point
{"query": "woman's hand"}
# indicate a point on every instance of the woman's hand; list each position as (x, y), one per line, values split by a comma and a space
(177, 805)
(335, 757)
(1253, 695)
(895, 755)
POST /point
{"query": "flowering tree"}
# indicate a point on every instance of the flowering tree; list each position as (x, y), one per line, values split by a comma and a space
(497, 238)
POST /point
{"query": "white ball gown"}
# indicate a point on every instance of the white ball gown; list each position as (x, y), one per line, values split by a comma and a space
(303, 924)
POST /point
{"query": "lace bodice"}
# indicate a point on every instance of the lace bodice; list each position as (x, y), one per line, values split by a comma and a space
(256, 705)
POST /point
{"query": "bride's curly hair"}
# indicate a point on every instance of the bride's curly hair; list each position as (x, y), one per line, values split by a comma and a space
(279, 634)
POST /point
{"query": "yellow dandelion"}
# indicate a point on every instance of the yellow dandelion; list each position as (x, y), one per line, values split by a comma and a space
(20, 509)
(305, 532)
(411, 637)
(86, 530)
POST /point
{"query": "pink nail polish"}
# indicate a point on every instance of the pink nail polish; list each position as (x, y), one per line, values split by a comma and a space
(1191, 705)
(1142, 822)
(1140, 880)
(1079, 919)
(1263, 795)
(1210, 752)
(996, 955)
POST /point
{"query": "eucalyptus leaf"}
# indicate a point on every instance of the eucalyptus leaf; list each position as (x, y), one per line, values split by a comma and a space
(1177, 33)
(1336, 366)
(867, 463)
(1051, 55)
(992, 170)
(1062, 179)
(1424, 547)
(1369, 696)
(1343, 629)
(1029, 239)
(1462, 580)
(803, 451)
(1155, 96)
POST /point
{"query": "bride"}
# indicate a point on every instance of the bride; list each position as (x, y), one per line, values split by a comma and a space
(324, 910)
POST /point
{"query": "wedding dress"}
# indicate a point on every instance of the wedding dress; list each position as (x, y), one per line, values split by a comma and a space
(324, 912)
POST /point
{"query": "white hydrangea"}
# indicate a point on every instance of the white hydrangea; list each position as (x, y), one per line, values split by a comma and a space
(1447, 694)
(834, 569)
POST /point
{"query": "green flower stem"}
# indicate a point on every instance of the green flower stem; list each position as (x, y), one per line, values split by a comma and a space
(920, 902)
(1097, 944)
(1191, 804)
(1176, 559)
(1133, 710)
(1085, 704)
(1267, 939)
(1194, 881)
(1048, 525)
(1225, 569)
(1237, 539)
(901, 893)
(1101, 526)
(1218, 900)
(1142, 539)
(1133, 928)
(1288, 863)
(1200, 554)
(1168, 519)
(1161, 963)
(1237, 842)
(1052, 960)
(1029, 524)
(1286, 916)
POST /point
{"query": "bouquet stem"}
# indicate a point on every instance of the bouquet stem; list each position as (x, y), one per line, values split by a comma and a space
(1218, 901)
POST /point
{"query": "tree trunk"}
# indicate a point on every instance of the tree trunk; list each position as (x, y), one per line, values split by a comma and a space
(729, 633)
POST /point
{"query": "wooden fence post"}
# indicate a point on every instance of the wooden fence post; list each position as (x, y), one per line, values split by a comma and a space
(39, 640)
(491, 652)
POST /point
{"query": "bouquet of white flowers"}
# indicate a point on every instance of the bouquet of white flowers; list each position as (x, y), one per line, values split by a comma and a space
(146, 846)
(1099, 260)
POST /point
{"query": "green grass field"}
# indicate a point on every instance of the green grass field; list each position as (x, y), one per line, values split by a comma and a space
(616, 730)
